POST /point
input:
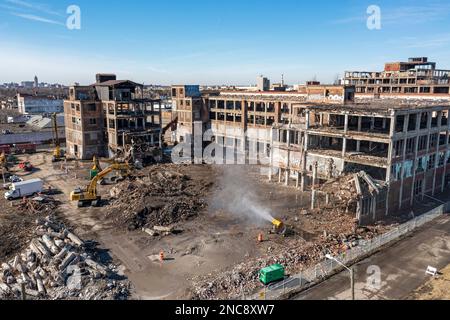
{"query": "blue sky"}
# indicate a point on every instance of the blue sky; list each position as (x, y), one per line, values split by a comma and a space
(215, 42)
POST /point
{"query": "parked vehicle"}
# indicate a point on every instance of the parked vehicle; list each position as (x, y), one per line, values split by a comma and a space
(25, 148)
(26, 166)
(12, 179)
(24, 189)
(6, 149)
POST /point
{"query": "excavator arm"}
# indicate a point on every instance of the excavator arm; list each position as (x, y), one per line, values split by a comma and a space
(90, 193)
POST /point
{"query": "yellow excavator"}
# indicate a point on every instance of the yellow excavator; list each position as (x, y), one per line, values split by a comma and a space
(57, 153)
(4, 162)
(89, 195)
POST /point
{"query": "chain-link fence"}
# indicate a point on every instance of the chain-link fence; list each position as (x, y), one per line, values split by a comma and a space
(327, 268)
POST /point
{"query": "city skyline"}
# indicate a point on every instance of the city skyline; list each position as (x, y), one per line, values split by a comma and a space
(211, 43)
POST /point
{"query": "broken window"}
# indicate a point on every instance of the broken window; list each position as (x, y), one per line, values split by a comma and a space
(421, 164)
(418, 187)
(444, 120)
(434, 119)
(424, 121)
(412, 122)
(399, 123)
(410, 145)
(432, 162)
(433, 140)
(442, 138)
(441, 159)
(398, 147)
(422, 143)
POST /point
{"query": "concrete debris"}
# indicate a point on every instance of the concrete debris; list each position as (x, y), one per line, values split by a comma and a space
(159, 199)
(38, 205)
(295, 255)
(59, 265)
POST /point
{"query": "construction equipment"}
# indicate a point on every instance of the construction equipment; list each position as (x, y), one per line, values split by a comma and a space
(171, 125)
(279, 226)
(3, 161)
(57, 153)
(89, 195)
(96, 168)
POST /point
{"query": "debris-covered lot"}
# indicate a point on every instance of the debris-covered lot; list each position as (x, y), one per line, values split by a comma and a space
(211, 249)
(57, 264)
(162, 197)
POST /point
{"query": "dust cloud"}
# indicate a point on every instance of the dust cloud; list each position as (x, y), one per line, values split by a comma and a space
(239, 196)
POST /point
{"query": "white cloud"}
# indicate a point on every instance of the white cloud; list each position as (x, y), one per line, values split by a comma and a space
(404, 15)
(33, 17)
(34, 6)
(430, 41)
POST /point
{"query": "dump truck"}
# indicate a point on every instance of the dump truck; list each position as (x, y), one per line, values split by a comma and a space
(24, 189)
(272, 274)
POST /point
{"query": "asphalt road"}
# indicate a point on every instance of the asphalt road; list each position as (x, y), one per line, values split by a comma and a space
(401, 268)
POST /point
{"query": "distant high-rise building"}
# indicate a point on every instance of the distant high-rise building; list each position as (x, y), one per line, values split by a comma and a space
(36, 82)
(263, 83)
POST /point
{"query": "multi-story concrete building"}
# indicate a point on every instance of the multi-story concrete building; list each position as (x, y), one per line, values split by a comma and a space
(110, 116)
(403, 147)
(243, 118)
(33, 104)
(85, 135)
(188, 107)
(417, 77)
(319, 133)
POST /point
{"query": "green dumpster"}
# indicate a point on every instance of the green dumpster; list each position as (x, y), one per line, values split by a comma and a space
(271, 274)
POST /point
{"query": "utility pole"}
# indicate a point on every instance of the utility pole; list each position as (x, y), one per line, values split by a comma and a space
(352, 282)
(352, 274)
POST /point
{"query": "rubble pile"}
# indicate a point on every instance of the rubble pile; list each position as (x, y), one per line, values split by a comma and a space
(161, 198)
(57, 264)
(245, 276)
(343, 190)
(295, 257)
(39, 205)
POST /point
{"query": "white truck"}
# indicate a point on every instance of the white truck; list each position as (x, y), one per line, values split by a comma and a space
(24, 189)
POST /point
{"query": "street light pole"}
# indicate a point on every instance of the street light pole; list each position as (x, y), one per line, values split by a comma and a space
(350, 270)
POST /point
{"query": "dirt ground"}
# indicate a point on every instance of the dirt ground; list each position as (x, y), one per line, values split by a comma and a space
(208, 243)
(435, 289)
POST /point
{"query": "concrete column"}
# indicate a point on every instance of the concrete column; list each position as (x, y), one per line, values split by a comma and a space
(358, 143)
(389, 164)
(344, 147)
(402, 172)
(416, 148)
(346, 124)
(437, 153)
(313, 187)
(445, 164)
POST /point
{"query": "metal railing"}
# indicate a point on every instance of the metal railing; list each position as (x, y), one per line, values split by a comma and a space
(325, 269)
